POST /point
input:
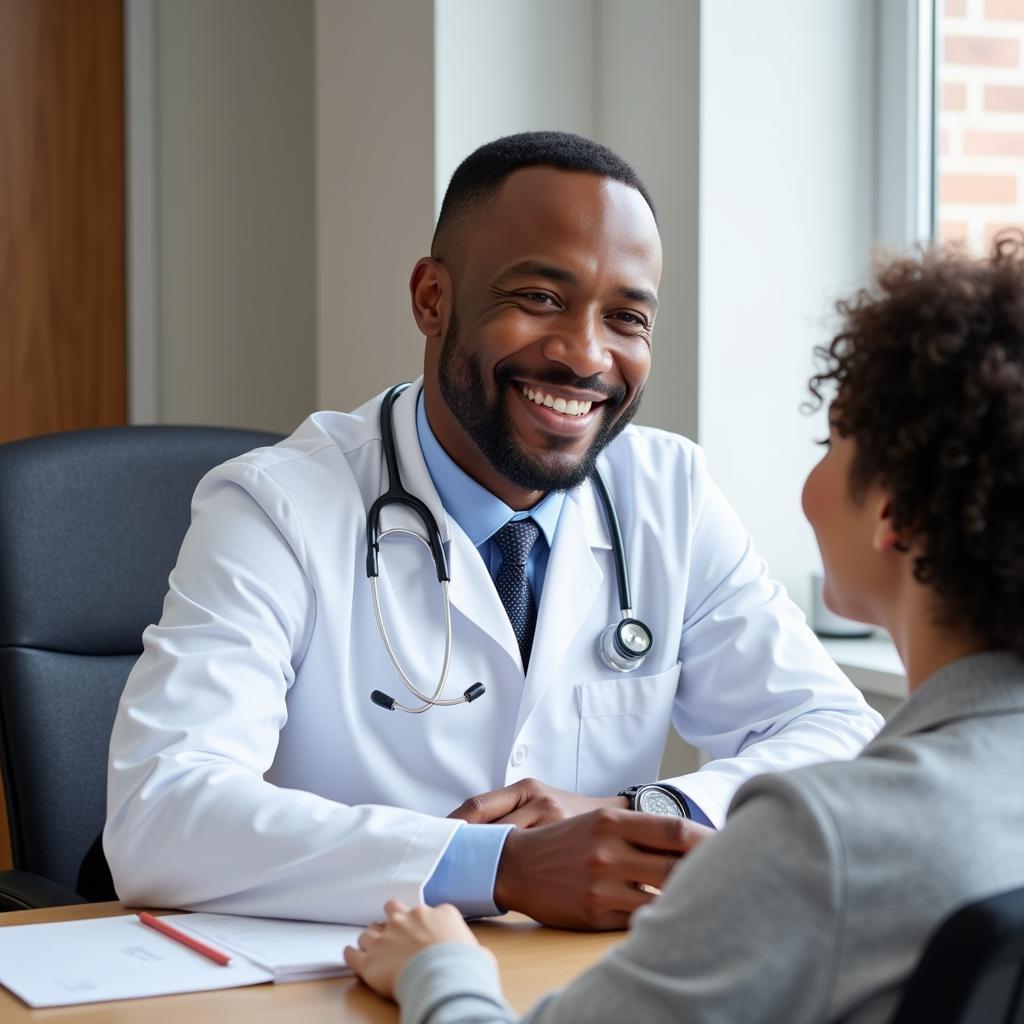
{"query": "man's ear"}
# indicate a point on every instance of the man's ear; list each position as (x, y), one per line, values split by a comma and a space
(430, 289)
(886, 537)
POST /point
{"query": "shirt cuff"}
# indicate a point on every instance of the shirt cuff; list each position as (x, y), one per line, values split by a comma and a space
(466, 873)
(696, 814)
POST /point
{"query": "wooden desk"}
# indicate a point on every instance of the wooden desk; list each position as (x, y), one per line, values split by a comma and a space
(533, 959)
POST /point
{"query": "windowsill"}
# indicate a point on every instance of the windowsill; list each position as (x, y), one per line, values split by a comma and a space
(872, 664)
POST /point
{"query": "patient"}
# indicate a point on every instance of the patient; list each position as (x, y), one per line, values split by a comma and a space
(816, 900)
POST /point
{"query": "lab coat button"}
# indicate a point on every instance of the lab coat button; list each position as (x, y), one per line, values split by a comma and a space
(519, 755)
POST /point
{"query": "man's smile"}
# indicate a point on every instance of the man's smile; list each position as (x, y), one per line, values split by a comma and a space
(569, 407)
(557, 411)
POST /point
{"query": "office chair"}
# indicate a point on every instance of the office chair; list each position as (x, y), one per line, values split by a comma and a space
(972, 970)
(90, 526)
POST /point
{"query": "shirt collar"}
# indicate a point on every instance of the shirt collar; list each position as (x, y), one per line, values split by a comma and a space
(478, 512)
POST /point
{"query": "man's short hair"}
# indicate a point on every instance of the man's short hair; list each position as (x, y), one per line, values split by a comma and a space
(479, 177)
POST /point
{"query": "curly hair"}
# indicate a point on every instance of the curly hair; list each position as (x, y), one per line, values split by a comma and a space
(927, 378)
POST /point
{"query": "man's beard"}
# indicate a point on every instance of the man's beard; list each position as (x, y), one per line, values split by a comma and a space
(489, 423)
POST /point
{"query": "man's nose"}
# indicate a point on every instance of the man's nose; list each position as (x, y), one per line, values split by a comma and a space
(580, 344)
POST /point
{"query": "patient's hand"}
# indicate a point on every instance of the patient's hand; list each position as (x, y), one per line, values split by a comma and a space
(384, 949)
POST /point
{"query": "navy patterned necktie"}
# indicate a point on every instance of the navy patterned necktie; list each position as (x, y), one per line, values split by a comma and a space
(515, 541)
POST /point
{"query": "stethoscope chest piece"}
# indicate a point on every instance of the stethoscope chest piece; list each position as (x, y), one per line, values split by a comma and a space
(625, 644)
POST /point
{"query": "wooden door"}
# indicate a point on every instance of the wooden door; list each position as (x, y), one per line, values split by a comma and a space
(62, 220)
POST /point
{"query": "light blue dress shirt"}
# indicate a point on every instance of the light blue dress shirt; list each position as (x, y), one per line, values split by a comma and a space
(465, 874)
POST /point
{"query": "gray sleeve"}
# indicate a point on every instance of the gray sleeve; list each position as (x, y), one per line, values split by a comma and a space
(452, 983)
(746, 930)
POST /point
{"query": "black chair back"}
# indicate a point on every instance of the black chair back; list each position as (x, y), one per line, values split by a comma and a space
(90, 526)
(972, 971)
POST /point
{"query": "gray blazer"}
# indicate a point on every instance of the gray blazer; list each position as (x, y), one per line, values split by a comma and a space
(815, 902)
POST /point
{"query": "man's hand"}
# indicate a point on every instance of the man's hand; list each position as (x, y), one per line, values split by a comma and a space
(586, 872)
(530, 803)
(384, 949)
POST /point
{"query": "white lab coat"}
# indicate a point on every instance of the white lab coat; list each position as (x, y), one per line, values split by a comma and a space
(249, 770)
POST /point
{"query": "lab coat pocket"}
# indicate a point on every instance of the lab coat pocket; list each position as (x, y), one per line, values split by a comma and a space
(623, 725)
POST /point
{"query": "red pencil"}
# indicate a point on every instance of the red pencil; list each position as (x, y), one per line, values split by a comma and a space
(158, 924)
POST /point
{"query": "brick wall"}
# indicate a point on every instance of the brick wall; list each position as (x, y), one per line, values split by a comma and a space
(981, 119)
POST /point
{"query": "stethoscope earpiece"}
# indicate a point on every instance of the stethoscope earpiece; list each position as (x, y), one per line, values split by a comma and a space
(622, 646)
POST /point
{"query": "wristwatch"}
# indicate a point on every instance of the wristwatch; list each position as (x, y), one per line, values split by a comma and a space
(654, 798)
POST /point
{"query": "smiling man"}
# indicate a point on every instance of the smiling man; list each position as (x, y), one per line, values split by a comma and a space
(545, 299)
(250, 769)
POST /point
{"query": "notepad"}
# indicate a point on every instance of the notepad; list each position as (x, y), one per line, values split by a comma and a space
(107, 958)
(289, 950)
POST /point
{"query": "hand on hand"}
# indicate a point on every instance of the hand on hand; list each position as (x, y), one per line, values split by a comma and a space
(384, 949)
(530, 803)
(586, 872)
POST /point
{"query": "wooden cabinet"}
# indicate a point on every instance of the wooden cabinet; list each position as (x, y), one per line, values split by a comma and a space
(62, 220)
(62, 216)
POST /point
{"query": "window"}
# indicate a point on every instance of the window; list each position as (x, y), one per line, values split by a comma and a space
(979, 65)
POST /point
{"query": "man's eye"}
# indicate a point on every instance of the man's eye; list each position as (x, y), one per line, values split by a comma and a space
(542, 298)
(632, 319)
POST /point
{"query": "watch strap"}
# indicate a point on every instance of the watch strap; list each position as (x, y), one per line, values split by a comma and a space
(630, 793)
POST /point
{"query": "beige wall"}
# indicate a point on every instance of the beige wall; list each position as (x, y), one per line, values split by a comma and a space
(375, 190)
(234, 212)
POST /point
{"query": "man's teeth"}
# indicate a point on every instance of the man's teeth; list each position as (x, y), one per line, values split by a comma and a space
(570, 408)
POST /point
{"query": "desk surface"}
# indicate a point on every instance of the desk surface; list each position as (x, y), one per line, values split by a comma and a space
(532, 959)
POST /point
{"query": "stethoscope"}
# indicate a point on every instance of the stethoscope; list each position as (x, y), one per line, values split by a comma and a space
(623, 645)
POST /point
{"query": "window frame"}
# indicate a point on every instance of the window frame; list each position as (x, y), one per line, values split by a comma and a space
(907, 165)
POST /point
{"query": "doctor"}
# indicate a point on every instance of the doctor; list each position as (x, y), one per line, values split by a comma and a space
(250, 771)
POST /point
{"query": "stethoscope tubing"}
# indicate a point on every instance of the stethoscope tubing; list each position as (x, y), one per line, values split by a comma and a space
(624, 660)
(618, 548)
(434, 700)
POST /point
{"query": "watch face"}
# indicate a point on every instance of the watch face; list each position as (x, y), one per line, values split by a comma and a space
(657, 801)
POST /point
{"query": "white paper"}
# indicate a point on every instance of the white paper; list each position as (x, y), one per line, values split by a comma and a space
(285, 948)
(67, 962)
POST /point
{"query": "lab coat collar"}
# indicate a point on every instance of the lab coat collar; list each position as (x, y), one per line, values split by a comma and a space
(590, 515)
(572, 583)
(412, 466)
(471, 590)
